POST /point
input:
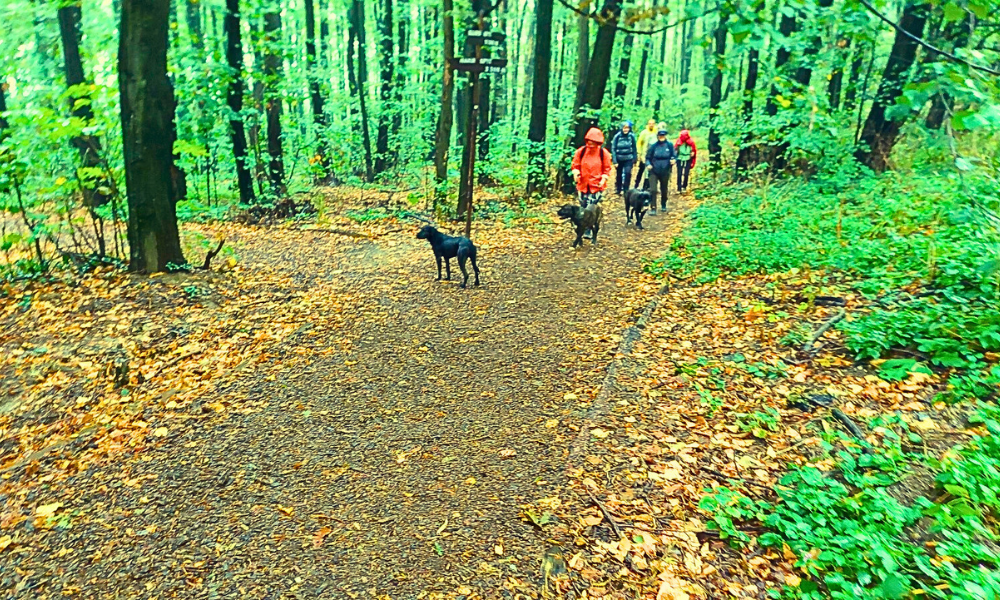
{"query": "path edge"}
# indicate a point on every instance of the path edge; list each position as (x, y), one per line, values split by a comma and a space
(630, 335)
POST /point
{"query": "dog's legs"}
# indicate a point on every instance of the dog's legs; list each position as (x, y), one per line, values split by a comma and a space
(597, 227)
(475, 268)
(465, 274)
(628, 210)
(438, 259)
(447, 268)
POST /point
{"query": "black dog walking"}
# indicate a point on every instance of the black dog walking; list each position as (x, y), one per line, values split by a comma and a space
(636, 203)
(449, 247)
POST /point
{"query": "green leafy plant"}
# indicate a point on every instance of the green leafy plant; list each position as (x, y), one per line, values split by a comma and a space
(760, 422)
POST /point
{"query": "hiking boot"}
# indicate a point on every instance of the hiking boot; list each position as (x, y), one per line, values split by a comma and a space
(588, 234)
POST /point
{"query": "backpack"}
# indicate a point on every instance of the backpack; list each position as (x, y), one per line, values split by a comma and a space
(684, 153)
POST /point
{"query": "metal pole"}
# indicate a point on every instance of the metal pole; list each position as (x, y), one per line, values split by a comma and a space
(472, 143)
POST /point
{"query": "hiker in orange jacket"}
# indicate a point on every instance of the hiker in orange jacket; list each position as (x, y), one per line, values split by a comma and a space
(591, 167)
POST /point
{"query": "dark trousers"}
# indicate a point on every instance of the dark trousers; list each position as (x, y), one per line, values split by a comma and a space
(638, 174)
(683, 172)
(661, 181)
(623, 176)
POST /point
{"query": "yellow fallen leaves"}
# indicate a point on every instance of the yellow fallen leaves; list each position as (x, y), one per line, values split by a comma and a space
(161, 432)
(47, 510)
(599, 433)
(5, 542)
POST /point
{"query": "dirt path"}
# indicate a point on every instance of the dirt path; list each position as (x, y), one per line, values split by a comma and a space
(384, 448)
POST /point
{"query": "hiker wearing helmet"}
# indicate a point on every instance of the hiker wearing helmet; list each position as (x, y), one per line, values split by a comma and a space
(658, 157)
(687, 154)
(647, 136)
(623, 153)
(591, 167)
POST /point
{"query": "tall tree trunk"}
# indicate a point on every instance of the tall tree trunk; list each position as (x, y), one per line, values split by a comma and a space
(745, 158)
(385, 89)
(442, 136)
(660, 72)
(955, 34)
(851, 93)
(786, 29)
(599, 71)
(402, 50)
(356, 33)
(560, 66)
(95, 190)
(272, 100)
(540, 96)
(879, 134)
(148, 134)
(3, 108)
(315, 96)
(234, 97)
(835, 88)
(803, 75)
(582, 56)
(647, 45)
(715, 90)
(621, 85)
(471, 104)
(192, 15)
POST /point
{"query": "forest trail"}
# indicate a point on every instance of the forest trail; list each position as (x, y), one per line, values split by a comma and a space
(386, 446)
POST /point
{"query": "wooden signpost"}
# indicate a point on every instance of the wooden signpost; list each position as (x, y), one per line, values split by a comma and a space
(475, 66)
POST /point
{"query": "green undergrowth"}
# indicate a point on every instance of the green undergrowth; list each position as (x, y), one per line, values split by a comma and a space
(885, 522)
(922, 246)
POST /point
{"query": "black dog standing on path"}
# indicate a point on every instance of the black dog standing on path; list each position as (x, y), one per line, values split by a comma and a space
(583, 219)
(449, 247)
(636, 203)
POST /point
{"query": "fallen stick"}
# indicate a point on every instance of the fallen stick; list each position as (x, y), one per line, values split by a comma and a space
(849, 424)
(348, 233)
(212, 254)
(607, 515)
(807, 348)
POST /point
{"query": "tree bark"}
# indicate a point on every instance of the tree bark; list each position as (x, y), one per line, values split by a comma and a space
(356, 33)
(746, 158)
(96, 190)
(834, 90)
(470, 108)
(662, 65)
(621, 86)
(402, 50)
(582, 56)
(851, 93)
(537, 172)
(148, 134)
(715, 90)
(880, 133)
(234, 98)
(647, 45)
(803, 75)
(3, 108)
(385, 90)
(787, 28)
(272, 100)
(315, 95)
(442, 136)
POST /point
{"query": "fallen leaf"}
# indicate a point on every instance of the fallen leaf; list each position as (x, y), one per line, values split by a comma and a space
(161, 432)
(507, 453)
(320, 535)
(672, 589)
(599, 433)
(5, 542)
(47, 510)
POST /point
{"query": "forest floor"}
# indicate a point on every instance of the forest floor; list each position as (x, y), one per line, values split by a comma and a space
(323, 419)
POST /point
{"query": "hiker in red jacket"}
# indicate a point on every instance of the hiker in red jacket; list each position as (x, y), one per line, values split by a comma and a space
(591, 167)
(687, 154)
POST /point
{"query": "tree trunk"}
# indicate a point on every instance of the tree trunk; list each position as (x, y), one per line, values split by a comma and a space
(745, 158)
(3, 108)
(715, 90)
(851, 93)
(687, 44)
(442, 136)
(468, 110)
(598, 73)
(647, 45)
(356, 33)
(660, 70)
(879, 134)
(402, 50)
(272, 100)
(234, 97)
(95, 190)
(624, 64)
(955, 34)
(315, 97)
(787, 28)
(148, 134)
(560, 67)
(192, 15)
(540, 96)
(582, 56)
(835, 88)
(803, 75)
(385, 90)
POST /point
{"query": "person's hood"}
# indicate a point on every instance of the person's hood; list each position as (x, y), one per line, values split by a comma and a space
(627, 124)
(595, 135)
(685, 136)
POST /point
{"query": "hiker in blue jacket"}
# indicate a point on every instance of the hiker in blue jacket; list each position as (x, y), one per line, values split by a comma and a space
(623, 154)
(658, 161)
